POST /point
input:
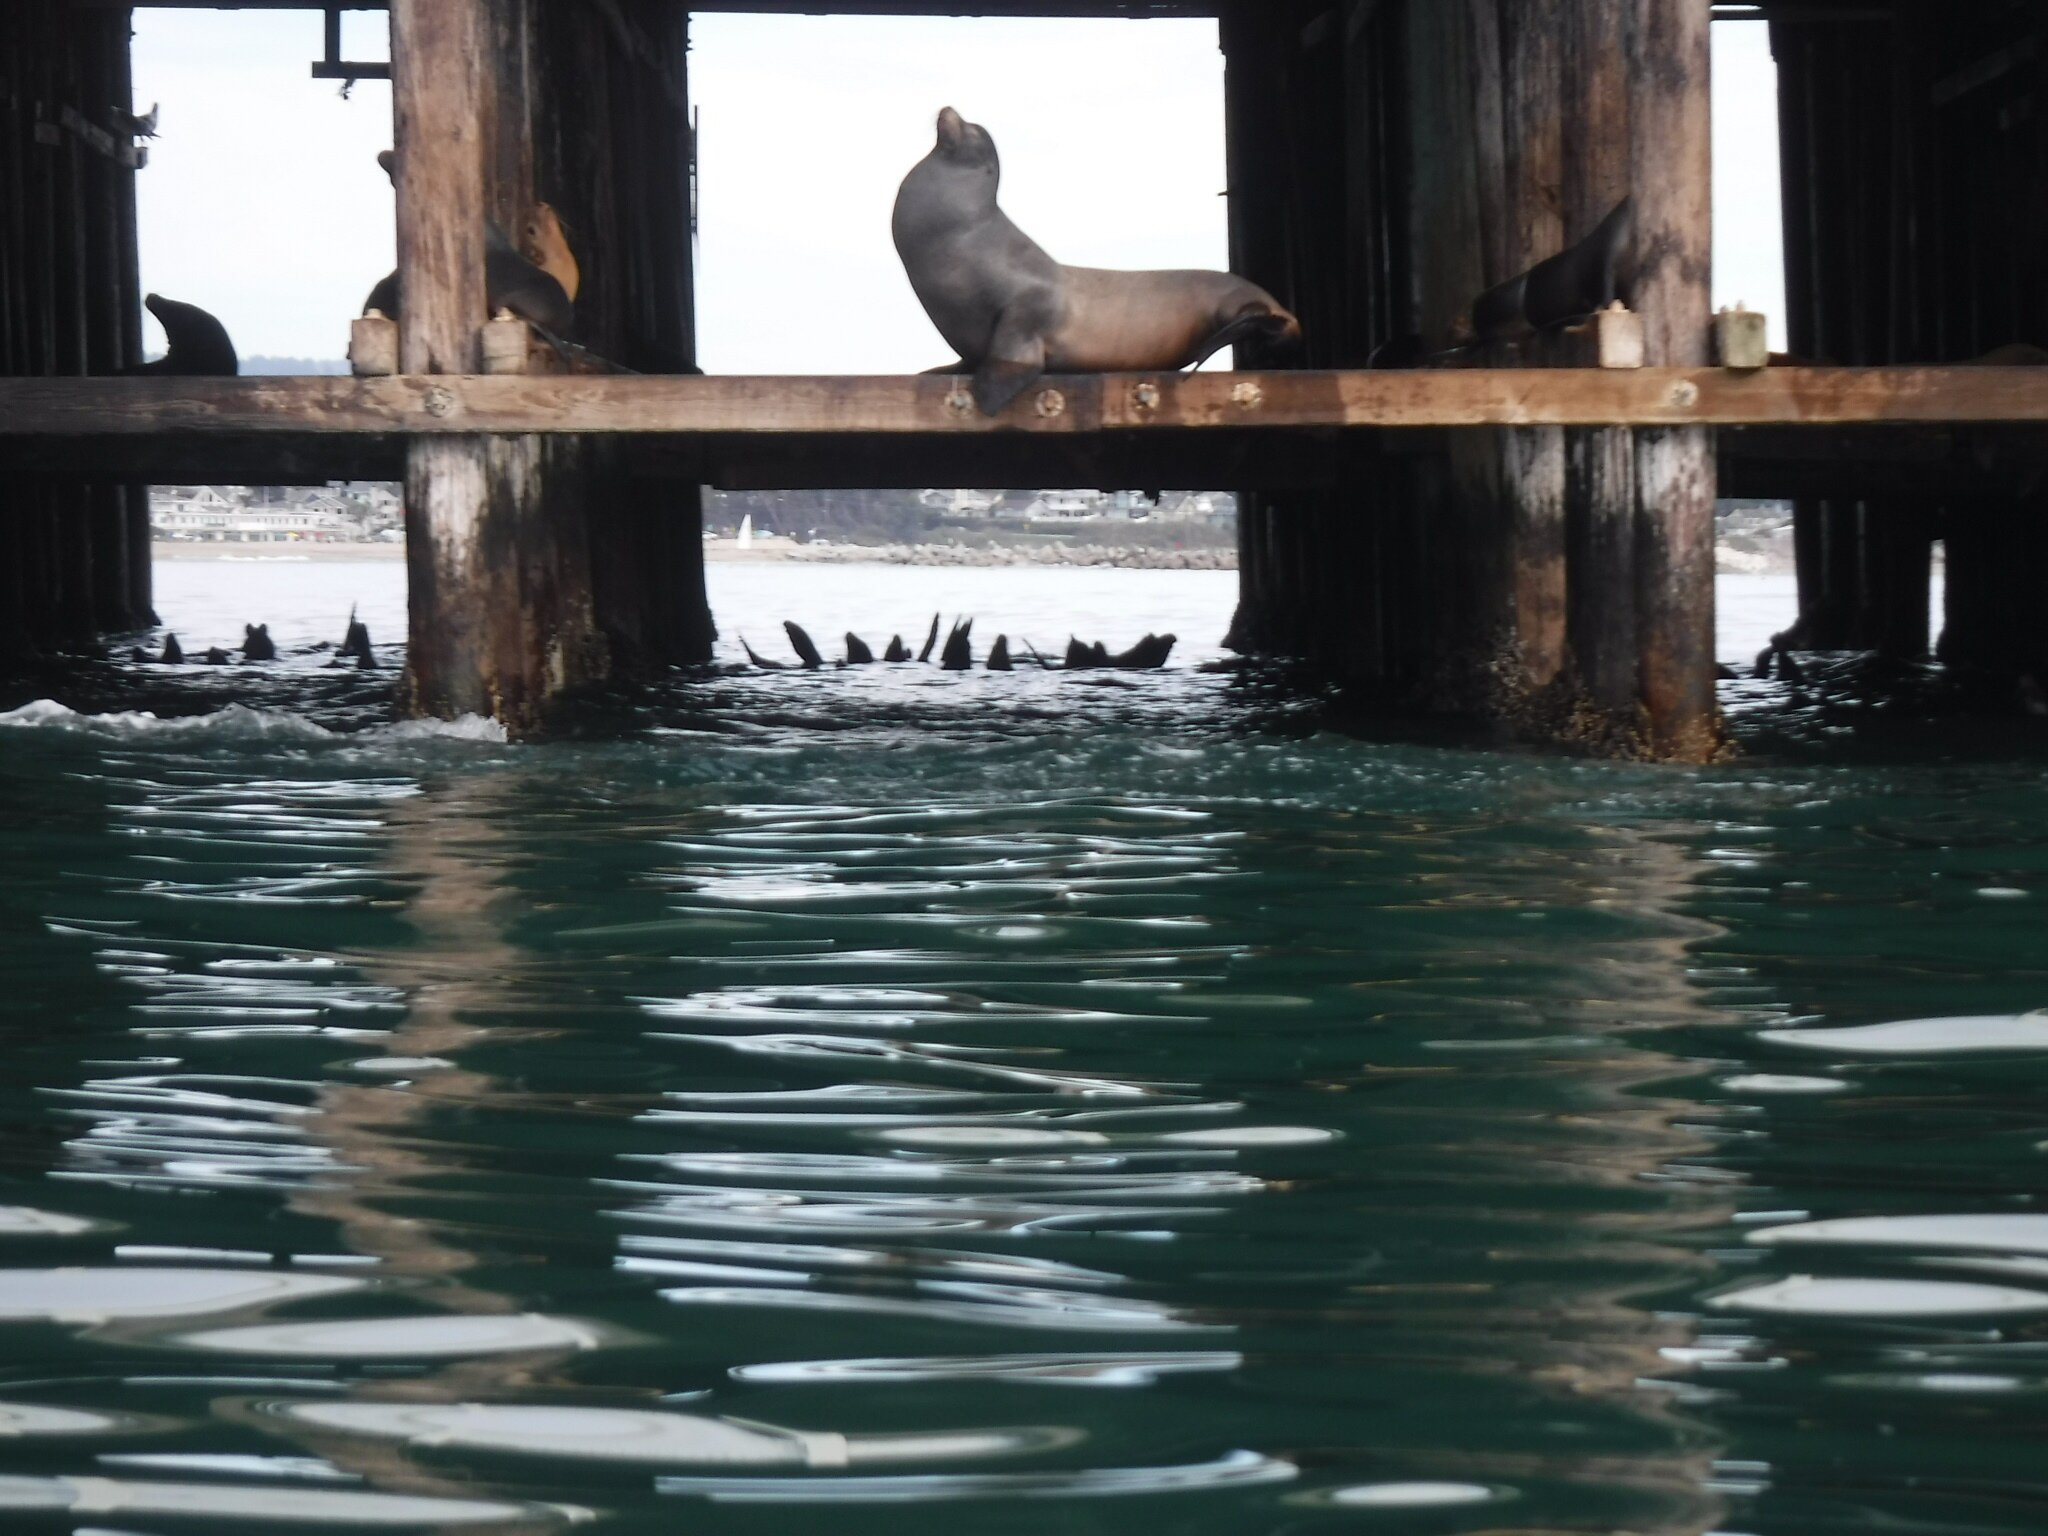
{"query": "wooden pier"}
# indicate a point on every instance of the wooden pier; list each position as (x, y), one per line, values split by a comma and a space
(1523, 526)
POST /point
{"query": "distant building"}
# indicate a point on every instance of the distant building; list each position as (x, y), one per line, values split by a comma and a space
(223, 514)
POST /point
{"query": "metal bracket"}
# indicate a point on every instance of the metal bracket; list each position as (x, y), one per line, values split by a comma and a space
(334, 66)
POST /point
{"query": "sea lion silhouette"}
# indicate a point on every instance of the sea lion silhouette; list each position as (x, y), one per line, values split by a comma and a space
(197, 345)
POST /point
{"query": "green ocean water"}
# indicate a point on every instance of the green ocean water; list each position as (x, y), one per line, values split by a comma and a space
(887, 1102)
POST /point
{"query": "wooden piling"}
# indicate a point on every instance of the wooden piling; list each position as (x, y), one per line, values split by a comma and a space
(1671, 137)
(501, 617)
(1533, 458)
(1600, 489)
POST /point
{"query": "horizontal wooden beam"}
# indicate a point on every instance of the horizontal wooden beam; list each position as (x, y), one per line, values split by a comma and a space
(1115, 9)
(1059, 407)
(1926, 465)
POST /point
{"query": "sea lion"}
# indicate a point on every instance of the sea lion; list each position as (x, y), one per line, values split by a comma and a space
(897, 651)
(999, 656)
(174, 653)
(257, 644)
(197, 345)
(958, 654)
(511, 282)
(858, 652)
(806, 649)
(538, 285)
(355, 645)
(1148, 655)
(1576, 282)
(1013, 313)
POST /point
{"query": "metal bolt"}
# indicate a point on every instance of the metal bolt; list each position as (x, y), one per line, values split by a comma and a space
(1248, 395)
(1052, 404)
(1685, 394)
(959, 402)
(440, 401)
(1146, 397)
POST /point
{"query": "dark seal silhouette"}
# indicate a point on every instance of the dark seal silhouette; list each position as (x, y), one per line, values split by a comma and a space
(197, 343)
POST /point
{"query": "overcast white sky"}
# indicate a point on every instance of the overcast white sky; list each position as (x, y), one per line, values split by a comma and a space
(263, 201)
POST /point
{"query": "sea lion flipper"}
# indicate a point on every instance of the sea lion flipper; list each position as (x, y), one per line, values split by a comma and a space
(1253, 322)
(1015, 361)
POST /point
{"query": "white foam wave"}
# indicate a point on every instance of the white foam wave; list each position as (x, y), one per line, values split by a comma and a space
(239, 724)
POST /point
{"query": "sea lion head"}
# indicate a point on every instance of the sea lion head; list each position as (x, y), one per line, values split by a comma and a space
(967, 145)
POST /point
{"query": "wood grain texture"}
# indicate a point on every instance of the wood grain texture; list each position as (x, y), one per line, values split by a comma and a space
(838, 405)
(1671, 150)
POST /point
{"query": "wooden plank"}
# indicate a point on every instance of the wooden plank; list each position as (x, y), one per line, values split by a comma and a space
(624, 404)
(1928, 466)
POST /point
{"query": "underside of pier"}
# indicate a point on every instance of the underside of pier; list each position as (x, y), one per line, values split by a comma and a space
(1482, 491)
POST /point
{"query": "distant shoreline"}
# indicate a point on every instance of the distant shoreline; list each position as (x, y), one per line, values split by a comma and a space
(1732, 562)
(300, 553)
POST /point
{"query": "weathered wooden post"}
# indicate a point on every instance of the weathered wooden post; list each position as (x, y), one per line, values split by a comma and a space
(1600, 482)
(501, 619)
(1534, 457)
(1671, 139)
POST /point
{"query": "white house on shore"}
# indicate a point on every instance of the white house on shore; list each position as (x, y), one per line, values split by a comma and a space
(221, 514)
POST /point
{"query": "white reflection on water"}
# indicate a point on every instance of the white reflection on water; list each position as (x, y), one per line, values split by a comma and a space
(661, 1439)
(1239, 1469)
(1997, 1233)
(1924, 1037)
(282, 1506)
(400, 1338)
(1120, 1370)
(1820, 1296)
(90, 1296)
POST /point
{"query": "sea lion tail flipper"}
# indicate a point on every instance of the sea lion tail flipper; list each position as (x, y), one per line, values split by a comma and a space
(1253, 322)
(931, 640)
(1015, 361)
